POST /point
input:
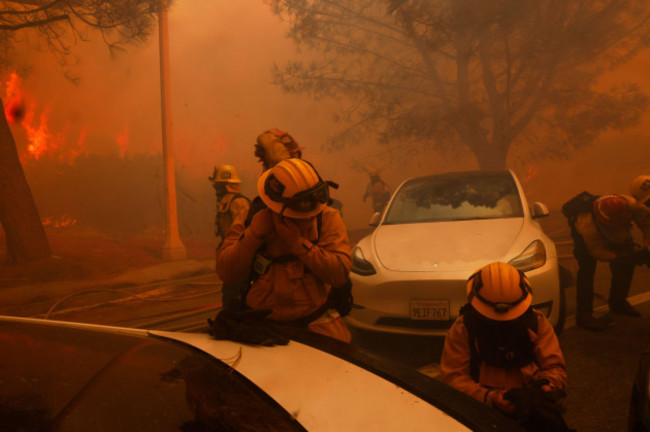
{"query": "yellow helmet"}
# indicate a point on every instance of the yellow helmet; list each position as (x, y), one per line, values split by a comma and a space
(293, 188)
(225, 174)
(499, 292)
(641, 188)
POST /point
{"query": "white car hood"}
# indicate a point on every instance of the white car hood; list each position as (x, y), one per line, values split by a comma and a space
(445, 246)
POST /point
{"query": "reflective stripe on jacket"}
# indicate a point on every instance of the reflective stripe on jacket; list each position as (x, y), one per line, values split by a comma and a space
(455, 363)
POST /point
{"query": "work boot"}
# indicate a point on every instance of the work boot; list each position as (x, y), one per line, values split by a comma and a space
(588, 322)
(624, 308)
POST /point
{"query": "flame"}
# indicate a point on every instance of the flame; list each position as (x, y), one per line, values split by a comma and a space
(123, 140)
(60, 222)
(41, 141)
(14, 104)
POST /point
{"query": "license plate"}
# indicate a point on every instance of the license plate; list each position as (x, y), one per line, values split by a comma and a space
(433, 310)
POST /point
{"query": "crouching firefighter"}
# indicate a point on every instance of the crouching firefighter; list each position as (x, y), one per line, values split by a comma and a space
(602, 230)
(297, 254)
(504, 353)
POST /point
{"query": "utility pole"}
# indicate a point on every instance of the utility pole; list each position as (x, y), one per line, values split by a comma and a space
(173, 249)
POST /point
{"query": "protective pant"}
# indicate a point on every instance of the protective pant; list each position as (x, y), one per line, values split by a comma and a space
(231, 293)
(622, 273)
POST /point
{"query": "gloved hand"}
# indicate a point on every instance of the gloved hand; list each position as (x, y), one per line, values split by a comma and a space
(247, 326)
(537, 410)
(288, 232)
(499, 402)
(262, 224)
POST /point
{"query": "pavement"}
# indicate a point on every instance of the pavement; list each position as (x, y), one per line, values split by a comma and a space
(33, 299)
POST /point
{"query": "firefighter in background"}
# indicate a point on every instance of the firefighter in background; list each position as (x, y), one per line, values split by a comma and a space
(604, 233)
(297, 247)
(378, 191)
(500, 343)
(275, 145)
(231, 204)
(641, 189)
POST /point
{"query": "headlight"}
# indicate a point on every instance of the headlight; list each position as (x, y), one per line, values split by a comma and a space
(532, 257)
(360, 265)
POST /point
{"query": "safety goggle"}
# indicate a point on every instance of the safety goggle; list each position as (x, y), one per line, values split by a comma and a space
(302, 202)
(499, 307)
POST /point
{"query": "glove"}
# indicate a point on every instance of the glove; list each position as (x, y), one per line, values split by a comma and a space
(262, 224)
(288, 232)
(247, 326)
(537, 410)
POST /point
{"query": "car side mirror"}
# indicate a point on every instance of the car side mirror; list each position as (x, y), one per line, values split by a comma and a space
(374, 220)
(540, 210)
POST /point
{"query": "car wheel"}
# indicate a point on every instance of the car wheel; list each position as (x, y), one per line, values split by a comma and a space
(562, 317)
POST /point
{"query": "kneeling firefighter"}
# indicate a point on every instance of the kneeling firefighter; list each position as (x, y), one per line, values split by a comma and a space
(504, 353)
(296, 251)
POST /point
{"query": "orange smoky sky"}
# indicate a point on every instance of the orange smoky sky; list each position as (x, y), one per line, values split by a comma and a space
(221, 55)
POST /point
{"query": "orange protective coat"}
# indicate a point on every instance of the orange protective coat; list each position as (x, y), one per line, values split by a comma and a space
(455, 363)
(599, 239)
(298, 287)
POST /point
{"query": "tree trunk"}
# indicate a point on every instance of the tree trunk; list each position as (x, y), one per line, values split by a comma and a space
(24, 232)
(492, 156)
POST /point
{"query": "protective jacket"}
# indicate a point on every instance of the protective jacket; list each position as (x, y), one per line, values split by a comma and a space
(230, 207)
(456, 357)
(298, 282)
(606, 243)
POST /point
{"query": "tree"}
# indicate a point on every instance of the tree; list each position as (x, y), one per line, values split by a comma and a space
(59, 23)
(488, 74)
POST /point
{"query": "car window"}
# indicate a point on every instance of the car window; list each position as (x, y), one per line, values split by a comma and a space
(67, 379)
(456, 196)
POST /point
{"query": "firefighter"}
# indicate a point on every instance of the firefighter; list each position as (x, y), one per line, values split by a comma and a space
(231, 204)
(275, 145)
(297, 247)
(499, 343)
(603, 233)
(377, 190)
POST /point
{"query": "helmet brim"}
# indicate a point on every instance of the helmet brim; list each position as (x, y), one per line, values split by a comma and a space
(276, 207)
(488, 312)
(512, 314)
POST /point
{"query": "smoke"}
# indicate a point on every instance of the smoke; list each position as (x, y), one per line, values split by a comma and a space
(222, 98)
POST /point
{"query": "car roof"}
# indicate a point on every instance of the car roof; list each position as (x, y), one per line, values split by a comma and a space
(317, 380)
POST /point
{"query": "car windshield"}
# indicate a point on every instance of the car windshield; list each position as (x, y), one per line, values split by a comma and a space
(456, 196)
